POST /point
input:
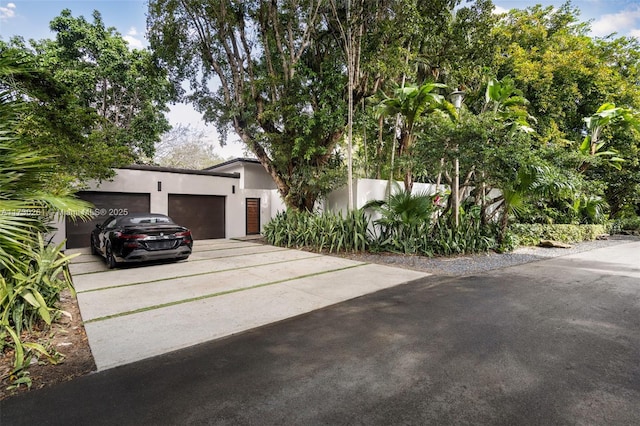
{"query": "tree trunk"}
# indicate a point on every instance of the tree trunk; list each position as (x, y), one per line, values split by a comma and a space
(504, 222)
(408, 181)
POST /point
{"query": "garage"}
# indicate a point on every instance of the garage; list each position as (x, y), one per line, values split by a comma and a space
(106, 204)
(204, 215)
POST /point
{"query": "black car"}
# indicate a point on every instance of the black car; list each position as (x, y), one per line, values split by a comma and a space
(140, 237)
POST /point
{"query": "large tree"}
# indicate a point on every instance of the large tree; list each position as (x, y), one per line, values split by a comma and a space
(186, 148)
(442, 41)
(276, 74)
(262, 70)
(106, 103)
(567, 76)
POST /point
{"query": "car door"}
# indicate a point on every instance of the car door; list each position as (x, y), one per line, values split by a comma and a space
(105, 229)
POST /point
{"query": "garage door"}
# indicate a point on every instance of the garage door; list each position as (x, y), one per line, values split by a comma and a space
(106, 204)
(202, 214)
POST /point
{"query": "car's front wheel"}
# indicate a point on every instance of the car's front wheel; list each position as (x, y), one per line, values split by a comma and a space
(111, 259)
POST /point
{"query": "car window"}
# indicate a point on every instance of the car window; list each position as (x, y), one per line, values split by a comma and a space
(147, 219)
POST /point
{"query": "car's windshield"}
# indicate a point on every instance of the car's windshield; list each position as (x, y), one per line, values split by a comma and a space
(146, 219)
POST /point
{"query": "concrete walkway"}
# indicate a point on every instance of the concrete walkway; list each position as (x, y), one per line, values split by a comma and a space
(225, 287)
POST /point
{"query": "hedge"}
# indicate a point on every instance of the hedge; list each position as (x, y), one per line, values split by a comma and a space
(531, 234)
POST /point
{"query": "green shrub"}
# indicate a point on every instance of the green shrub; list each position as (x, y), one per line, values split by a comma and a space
(627, 224)
(469, 237)
(531, 234)
(327, 231)
(405, 218)
(439, 238)
(27, 299)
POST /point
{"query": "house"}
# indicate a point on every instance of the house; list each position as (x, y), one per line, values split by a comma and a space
(230, 200)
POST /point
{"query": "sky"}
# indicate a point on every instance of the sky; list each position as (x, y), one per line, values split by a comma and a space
(30, 19)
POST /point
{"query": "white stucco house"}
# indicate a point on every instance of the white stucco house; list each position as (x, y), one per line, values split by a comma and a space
(229, 200)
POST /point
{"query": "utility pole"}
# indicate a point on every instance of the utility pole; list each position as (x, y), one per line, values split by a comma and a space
(350, 108)
(457, 98)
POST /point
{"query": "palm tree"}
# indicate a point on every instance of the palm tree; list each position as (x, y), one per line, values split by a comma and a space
(412, 103)
(530, 180)
(506, 103)
(404, 218)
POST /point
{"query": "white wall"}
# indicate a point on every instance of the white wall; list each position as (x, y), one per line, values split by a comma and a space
(252, 174)
(365, 190)
(256, 177)
(146, 181)
(277, 203)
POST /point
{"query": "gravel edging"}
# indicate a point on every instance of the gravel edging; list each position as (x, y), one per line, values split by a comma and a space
(474, 263)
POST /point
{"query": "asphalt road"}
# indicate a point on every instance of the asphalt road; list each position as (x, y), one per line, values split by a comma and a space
(551, 342)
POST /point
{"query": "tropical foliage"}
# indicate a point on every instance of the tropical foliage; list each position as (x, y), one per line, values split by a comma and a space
(409, 104)
(327, 231)
(32, 272)
(99, 105)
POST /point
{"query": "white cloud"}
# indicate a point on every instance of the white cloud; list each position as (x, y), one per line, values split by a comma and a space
(635, 33)
(132, 37)
(134, 43)
(498, 10)
(8, 11)
(623, 22)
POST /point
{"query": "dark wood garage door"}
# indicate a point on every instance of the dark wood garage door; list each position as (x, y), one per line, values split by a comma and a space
(202, 214)
(106, 204)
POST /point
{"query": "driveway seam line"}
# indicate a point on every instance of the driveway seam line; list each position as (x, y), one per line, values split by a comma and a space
(193, 275)
(221, 293)
(192, 260)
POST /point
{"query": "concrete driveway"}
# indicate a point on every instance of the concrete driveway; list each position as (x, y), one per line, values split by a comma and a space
(555, 342)
(225, 287)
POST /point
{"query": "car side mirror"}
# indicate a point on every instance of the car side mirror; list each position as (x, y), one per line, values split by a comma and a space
(98, 226)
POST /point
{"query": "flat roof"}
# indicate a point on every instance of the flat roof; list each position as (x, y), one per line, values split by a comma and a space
(235, 160)
(205, 172)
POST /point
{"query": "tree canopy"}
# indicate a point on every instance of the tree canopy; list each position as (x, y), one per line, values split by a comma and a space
(95, 103)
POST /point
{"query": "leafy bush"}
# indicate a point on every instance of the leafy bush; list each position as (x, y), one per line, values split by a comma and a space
(628, 224)
(406, 219)
(531, 234)
(32, 273)
(469, 237)
(28, 299)
(406, 227)
(326, 231)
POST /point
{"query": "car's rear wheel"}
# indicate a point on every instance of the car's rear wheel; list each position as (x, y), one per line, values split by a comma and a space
(111, 259)
(94, 250)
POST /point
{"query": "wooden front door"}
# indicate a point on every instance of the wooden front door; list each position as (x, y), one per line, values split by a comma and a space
(253, 216)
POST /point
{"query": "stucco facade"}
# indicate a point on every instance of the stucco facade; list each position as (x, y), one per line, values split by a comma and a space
(159, 183)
